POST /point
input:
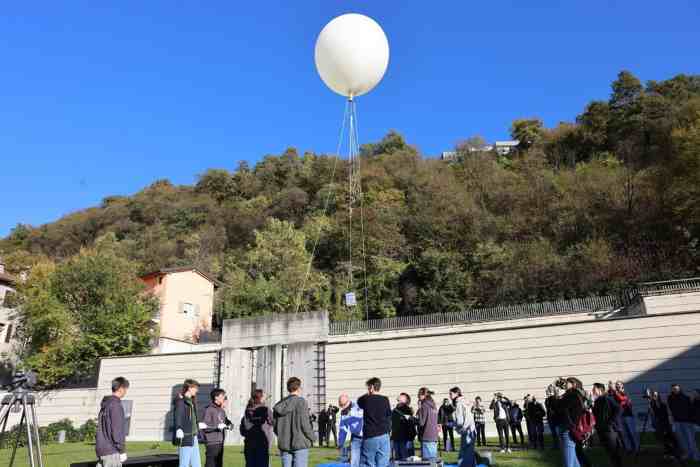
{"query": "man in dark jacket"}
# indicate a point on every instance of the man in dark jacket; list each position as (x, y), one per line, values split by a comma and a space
(403, 428)
(516, 423)
(110, 439)
(551, 403)
(534, 414)
(662, 427)
(681, 408)
(332, 423)
(446, 420)
(323, 420)
(186, 427)
(293, 427)
(607, 415)
(214, 434)
(501, 413)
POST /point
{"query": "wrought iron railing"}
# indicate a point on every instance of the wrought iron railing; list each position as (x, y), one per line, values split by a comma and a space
(627, 298)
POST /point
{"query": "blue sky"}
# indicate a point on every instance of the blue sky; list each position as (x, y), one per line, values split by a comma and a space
(102, 98)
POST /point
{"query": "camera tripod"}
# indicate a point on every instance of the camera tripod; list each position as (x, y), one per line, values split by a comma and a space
(22, 400)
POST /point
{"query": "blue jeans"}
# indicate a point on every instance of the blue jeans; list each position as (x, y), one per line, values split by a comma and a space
(466, 451)
(429, 450)
(568, 449)
(403, 450)
(355, 452)
(376, 451)
(685, 431)
(629, 432)
(189, 455)
(298, 458)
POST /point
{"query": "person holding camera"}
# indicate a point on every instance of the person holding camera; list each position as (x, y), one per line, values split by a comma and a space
(534, 414)
(681, 407)
(571, 407)
(607, 414)
(479, 414)
(501, 415)
(551, 402)
(332, 424)
(630, 436)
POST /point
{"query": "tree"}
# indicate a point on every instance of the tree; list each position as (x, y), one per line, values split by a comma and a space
(274, 276)
(527, 131)
(89, 307)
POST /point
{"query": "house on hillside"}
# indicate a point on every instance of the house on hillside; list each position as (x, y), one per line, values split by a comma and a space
(186, 297)
(8, 324)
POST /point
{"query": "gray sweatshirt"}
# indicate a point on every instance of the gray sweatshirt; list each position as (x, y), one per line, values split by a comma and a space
(427, 421)
(292, 425)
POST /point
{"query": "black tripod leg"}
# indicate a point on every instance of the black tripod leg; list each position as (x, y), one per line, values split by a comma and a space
(19, 433)
(4, 415)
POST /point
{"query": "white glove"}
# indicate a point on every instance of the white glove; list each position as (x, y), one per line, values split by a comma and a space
(179, 434)
(122, 457)
(221, 426)
(202, 426)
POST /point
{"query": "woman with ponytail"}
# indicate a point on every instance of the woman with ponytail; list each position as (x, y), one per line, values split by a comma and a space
(427, 424)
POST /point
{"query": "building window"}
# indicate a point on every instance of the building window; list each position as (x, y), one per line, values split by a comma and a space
(189, 309)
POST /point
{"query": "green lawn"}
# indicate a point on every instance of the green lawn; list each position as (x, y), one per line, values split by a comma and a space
(62, 455)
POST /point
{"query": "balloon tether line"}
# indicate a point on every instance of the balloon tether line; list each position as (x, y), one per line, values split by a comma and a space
(325, 210)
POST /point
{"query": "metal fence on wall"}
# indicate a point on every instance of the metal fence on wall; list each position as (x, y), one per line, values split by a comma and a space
(627, 298)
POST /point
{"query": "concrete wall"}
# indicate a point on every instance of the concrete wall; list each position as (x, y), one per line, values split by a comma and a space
(672, 303)
(236, 380)
(155, 380)
(275, 329)
(521, 357)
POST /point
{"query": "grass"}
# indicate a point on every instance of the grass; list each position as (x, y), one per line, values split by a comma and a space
(56, 455)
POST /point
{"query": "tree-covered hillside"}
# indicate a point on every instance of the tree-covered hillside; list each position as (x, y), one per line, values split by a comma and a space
(582, 208)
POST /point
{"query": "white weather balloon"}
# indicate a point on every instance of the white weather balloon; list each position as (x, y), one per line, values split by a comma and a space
(352, 54)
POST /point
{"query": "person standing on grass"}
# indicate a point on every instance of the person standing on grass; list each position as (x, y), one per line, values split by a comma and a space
(516, 423)
(256, 429)
(607, 413)
(681, 408)
(403, 428)
(376, 424)
(501, 413)
(322, 428)
(110, 439)
(571, 406)
(216, 423)
(551, 404)
(630, 436)
(186, 425)
(446, 421)
(479, 413)
(292, 426)
(464, 424)
(427, 424)
(535, 414)
(351, 420)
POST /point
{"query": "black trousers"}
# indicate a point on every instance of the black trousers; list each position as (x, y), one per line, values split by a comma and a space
(480, 434)
(537, 434)
(613, 446)
(582, 456)
(332, 430)
(502, 427)
(516, 428)
(448, 431)
(322, 436)
(256, 456)
(214, 455)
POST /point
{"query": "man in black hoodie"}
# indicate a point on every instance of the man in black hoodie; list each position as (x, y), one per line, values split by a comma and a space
(110, 439)
(403, 428)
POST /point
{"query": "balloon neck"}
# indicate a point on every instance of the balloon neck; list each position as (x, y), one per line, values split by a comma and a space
(350, 97)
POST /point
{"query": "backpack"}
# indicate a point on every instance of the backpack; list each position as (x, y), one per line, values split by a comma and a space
(584, 427)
